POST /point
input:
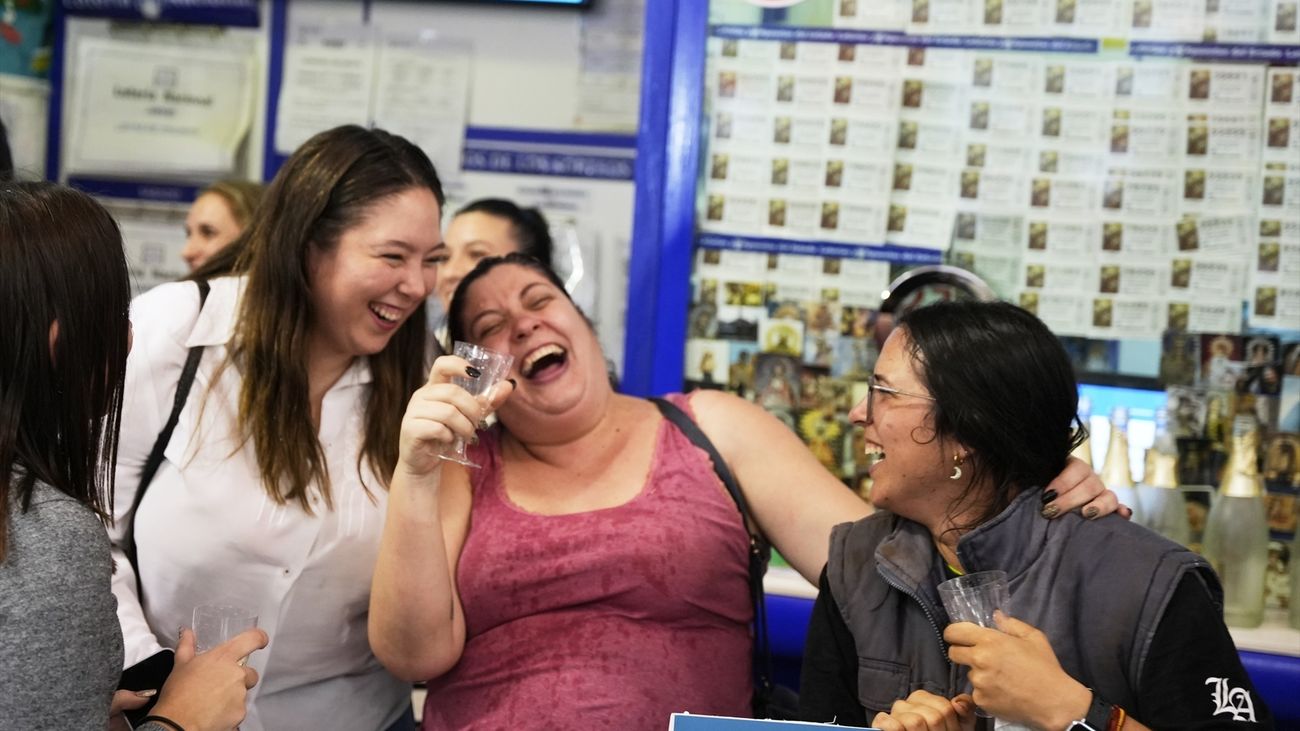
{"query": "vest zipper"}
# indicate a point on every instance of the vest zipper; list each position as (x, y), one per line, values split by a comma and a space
(943, 646)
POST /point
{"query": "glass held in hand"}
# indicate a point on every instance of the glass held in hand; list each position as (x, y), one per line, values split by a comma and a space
(492, 368)
(216, 623)
(973, 598)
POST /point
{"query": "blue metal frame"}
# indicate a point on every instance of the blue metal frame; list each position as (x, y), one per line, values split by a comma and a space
(667, 166)
(279, 20)
(54, 121)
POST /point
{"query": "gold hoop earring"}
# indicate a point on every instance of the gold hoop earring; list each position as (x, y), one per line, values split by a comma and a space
(956, 467)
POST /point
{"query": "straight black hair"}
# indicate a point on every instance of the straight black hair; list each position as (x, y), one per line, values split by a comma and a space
(1004, 388)
(529, 226)
(61, 261)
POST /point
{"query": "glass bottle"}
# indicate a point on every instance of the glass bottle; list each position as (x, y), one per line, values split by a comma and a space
(1084, 450)
(1115, 472)
(1236, 531)
(1162, 501)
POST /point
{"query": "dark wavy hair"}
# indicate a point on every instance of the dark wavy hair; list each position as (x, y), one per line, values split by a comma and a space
(325, 188)
(1004, 388)
(528, 225)
(61, 261)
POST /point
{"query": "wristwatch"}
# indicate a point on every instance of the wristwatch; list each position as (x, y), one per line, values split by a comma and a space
(1098, 718)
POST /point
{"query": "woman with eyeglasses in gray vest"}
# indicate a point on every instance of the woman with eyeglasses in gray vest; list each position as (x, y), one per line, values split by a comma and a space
(971, 410)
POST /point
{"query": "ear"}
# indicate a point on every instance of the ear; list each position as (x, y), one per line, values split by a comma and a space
(54, 338)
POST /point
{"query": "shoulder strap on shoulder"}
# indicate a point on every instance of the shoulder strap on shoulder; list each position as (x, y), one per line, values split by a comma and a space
(760, 551)
(155, 459)
(688, 427)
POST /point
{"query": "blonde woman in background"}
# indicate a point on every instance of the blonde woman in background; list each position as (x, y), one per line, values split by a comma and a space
(217, 217)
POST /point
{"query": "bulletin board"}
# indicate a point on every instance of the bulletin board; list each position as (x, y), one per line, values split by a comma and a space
(1123, 169)
(533, 104)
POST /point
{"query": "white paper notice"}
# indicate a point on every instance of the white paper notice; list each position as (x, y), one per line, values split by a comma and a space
(23, 105)
(328, 77)
(158, 110)
(422, 94)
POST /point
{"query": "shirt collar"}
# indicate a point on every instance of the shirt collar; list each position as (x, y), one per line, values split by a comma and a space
(217, 319)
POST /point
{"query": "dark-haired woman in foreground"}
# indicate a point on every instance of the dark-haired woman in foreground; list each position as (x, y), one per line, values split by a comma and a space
(271, 494)
(971, 411)
(63, 308)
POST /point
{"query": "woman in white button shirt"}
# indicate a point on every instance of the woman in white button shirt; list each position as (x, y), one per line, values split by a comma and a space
(273, 487)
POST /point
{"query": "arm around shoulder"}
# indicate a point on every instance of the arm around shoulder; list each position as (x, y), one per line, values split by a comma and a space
(795, 500)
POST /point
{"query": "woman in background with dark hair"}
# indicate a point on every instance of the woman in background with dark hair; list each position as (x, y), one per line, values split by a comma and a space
(490, 227)
(273, 487)
(63, 307)
(971, 410)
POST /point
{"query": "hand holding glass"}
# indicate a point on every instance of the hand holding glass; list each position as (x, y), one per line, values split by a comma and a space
(492, 367)
(216, 623)
(974, 598)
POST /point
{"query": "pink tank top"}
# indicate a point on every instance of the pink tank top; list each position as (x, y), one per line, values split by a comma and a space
(609, 619)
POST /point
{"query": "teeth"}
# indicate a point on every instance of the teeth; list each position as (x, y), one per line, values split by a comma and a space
(386, 313)
(873, 454)
(531, 359)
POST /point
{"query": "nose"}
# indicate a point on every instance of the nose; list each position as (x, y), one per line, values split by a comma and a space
(525, 325)
(858, 414)
(418, 280)
(192, 253)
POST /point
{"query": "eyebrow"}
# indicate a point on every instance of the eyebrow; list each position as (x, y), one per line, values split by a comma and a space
(407, 247)
(880, 378)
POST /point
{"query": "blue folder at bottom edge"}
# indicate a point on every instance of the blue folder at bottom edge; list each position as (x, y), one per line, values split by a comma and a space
(689, 722)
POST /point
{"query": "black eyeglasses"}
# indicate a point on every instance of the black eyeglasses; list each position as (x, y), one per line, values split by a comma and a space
(873, 387)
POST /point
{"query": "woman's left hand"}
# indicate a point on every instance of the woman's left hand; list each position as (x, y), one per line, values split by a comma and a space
(1015, 673)
(1079, 487)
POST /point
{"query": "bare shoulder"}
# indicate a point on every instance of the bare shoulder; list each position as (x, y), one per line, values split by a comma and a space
(732, 421)
(709, 404)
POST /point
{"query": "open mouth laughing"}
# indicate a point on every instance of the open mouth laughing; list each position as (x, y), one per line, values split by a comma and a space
(875, 454)
(543, 360)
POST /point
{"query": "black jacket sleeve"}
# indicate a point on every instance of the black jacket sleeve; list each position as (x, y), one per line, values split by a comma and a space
(828, 688)
(1193, 678)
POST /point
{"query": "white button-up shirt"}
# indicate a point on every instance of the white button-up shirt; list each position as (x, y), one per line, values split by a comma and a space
(207, 532)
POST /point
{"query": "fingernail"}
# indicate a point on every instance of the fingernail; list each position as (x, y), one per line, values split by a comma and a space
(146, 693)
(1090, 513)
(513, 383)
(472, 372)
(1048, 496)
(1051, 511)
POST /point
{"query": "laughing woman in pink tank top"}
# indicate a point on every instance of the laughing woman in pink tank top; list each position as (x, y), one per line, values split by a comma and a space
(593, 571)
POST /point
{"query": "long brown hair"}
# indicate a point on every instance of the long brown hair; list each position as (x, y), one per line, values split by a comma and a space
(324, 189)
(61, 261)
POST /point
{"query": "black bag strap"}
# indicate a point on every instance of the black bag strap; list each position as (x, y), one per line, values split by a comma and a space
(155, 459)
(760, 551)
